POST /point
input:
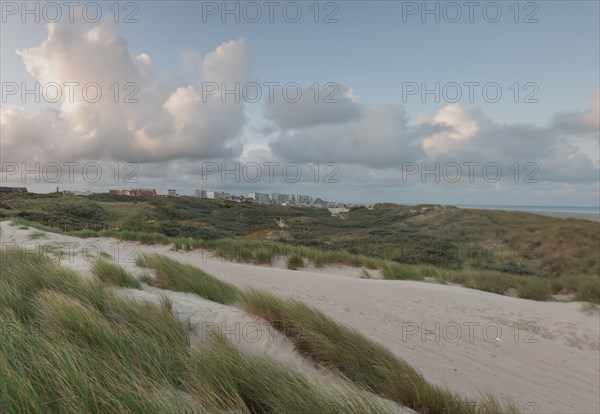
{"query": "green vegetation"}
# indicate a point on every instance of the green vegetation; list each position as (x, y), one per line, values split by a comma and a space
(588, 290)
(533, 288)
(265, 386)
(294, 262)
(404, 242)
(359, 359)
(331, 345)
(37, 235)
(114, 274)
(263, 256)
(173, 275)
(71, 345)
(399, 271)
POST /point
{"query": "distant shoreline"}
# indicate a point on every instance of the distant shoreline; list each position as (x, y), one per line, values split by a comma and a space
(592, 215)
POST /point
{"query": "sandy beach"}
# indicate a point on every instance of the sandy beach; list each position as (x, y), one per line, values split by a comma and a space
(544, 355)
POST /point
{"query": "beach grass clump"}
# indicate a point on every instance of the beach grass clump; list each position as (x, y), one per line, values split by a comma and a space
(143, 237)
(177, 245)
(532, 287)
(85, 348)
(262, 385)
(263, 255)
(564, 284)
(114, 274)
(84, 234)
(176, 276)
(365, 274)
(321, 258)
(294, 262)
(70, 355)
(588, 289)
(233, 250)
(401, 271)
(488, 281)
(184, 243)
(353, 356)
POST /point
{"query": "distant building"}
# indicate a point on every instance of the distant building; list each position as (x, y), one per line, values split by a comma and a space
(218, 195)
(260, 198)
(279, 198)
(172, 193)
(200, 193)
(135, 192)
(304, 199)
(13, 189)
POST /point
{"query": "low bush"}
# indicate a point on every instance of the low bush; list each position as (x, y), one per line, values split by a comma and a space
(294, 262)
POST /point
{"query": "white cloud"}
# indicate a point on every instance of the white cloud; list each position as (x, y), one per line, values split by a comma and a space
(155, 125)
(460, 128)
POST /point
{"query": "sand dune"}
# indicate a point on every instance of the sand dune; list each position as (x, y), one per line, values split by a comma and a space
(545, 355)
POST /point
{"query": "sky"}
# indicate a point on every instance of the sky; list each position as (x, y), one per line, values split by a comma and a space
(354, 101)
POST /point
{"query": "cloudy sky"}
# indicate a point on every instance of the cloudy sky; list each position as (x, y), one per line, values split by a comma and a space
(407, 102)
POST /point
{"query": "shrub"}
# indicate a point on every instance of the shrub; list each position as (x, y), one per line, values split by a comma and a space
(588, 289)
(488, 281)
(399, 271)
(532, 287)
(263, 256)
(294, 262)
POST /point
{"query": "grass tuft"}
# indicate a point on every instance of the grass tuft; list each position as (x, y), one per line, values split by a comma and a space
(362, 361)
(176, 276)
(294, 262)
(114, 274)
(588, 289)
(83, 348)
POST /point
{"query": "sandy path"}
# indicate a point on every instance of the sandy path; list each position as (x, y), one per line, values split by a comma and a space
(464, 339)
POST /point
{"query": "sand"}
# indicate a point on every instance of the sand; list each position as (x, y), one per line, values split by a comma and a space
(545, 355)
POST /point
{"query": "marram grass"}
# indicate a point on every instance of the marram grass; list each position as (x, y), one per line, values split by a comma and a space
(71, 345)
